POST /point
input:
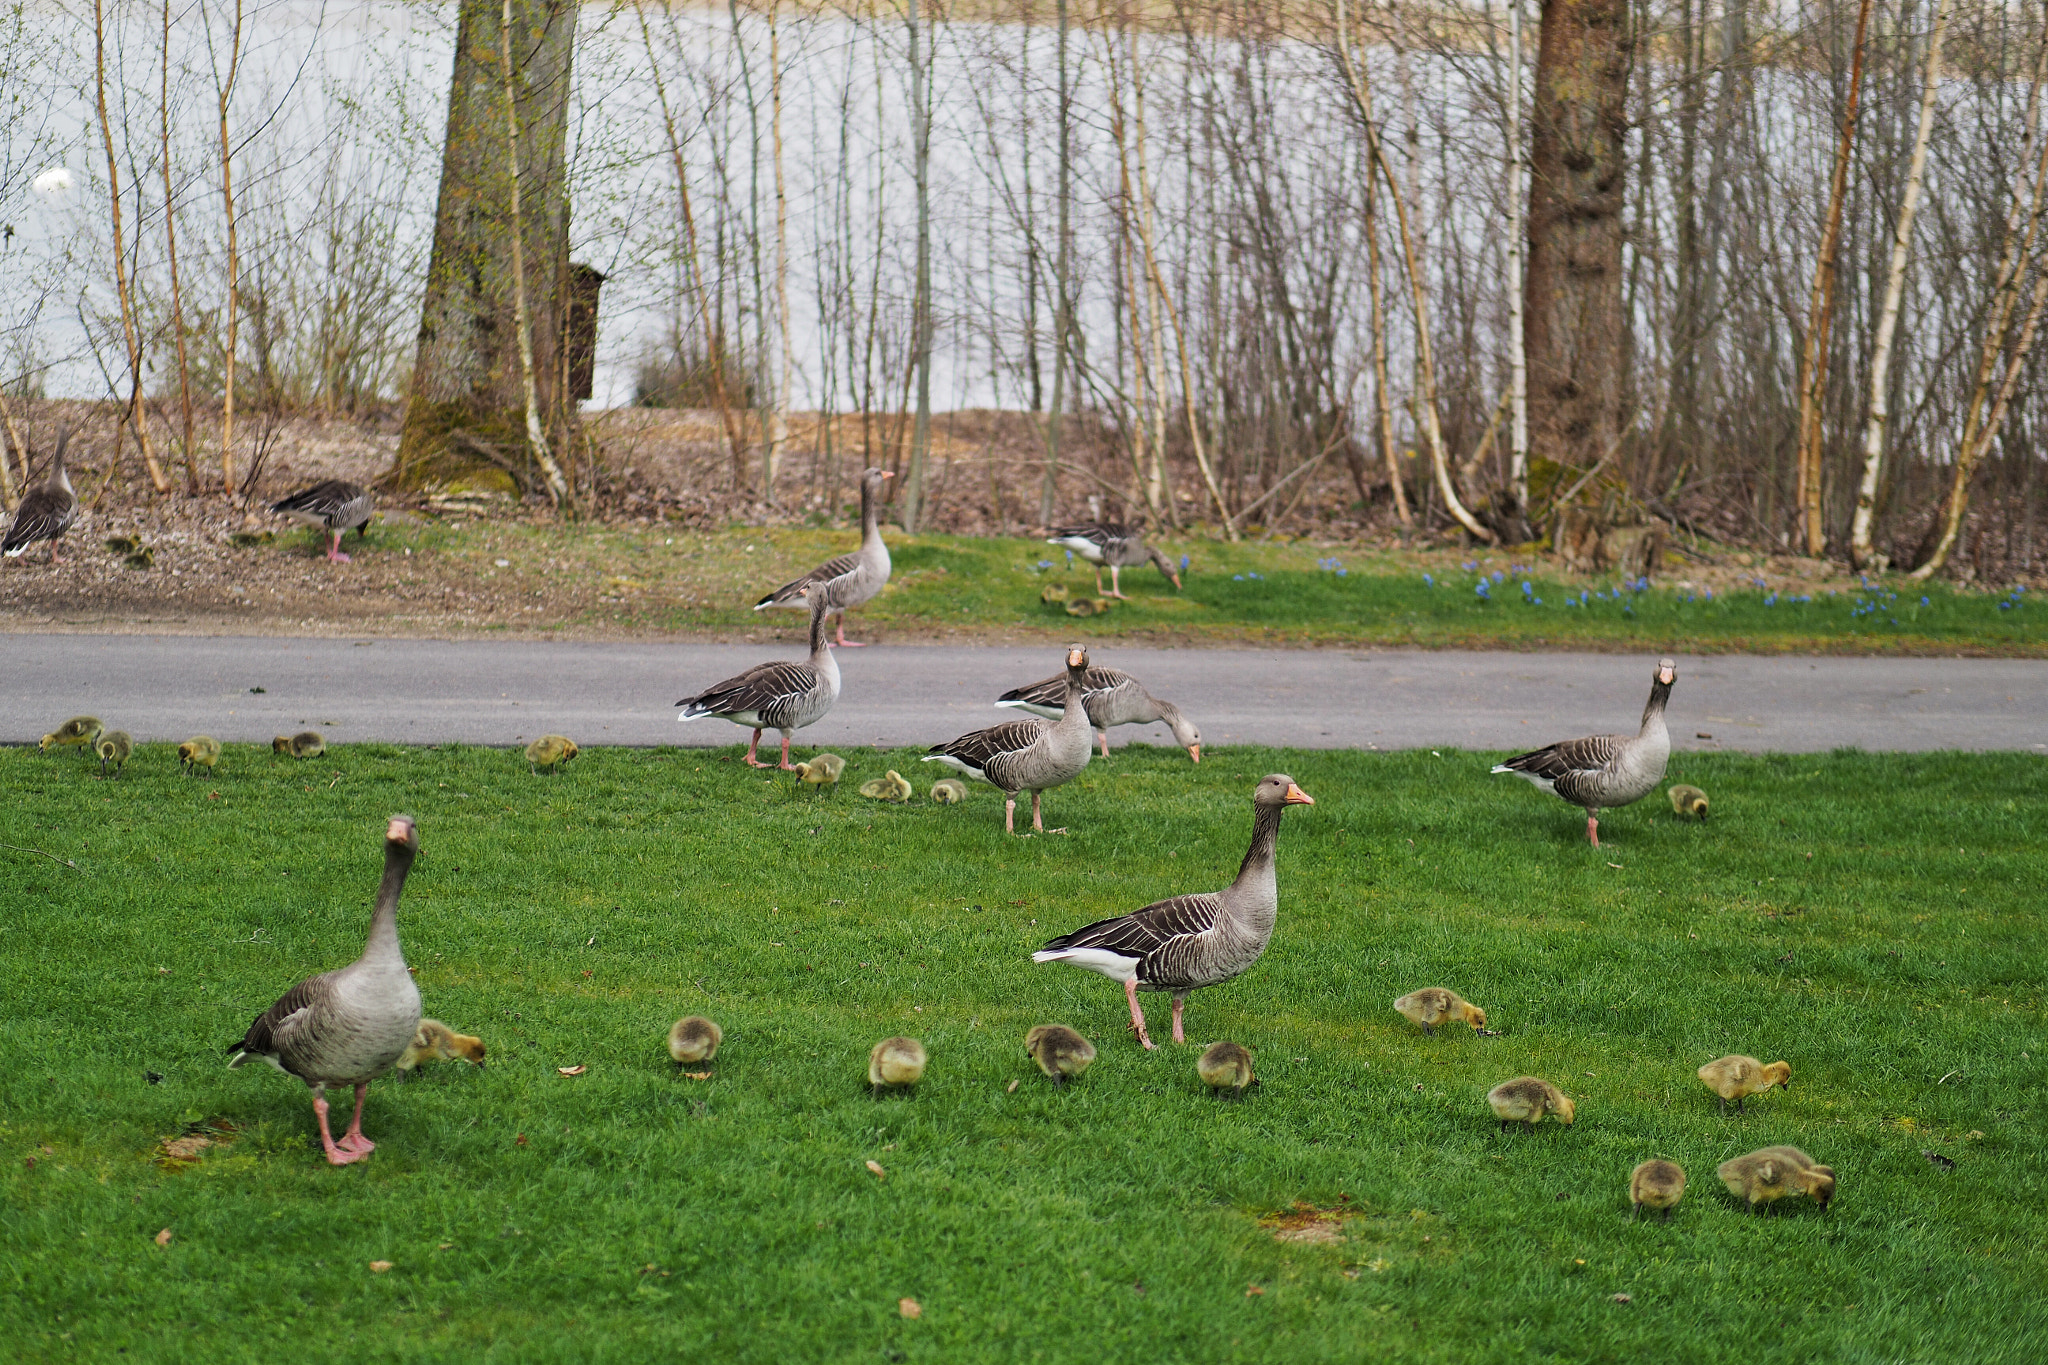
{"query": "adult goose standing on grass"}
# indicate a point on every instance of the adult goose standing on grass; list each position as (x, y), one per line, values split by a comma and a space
(1111, 697)
(45, 513)
(350, 1026)
(335, 506)
(1120, 547)
(1027, 755)
(780, 695)
(854, 579)
(1601, 772)
(1188, 942)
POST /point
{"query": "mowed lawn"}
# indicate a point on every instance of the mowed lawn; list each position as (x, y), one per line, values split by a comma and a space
(1874, 920)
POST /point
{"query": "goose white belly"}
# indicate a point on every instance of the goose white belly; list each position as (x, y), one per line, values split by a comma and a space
(1116, 966)
(958, 765)
(1081, 546)
(1044, 712)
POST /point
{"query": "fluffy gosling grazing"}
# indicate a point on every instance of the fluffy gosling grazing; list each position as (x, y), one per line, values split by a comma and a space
(824, 770)
(304, 744)
(895, 1062)
(893, 787)
(1656, 1184)
(1432, 1005)
(79, 732)
(1734, 1077)
(550, 752)
(200, 751)
(1060, 1052)
(694, 1039)
(1226, 1066)
(114, 747)
(1774, 1172)
(1526, 1099)
(949, 791)
(1688, 801)
(435, 1039)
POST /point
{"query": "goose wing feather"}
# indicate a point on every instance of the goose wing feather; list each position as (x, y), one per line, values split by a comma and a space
(1143, 933)
(824, 573)
(1576, 769)
(1052, 691)
(762, 689)
(271, 1033)
(979, 748)
(334, 503)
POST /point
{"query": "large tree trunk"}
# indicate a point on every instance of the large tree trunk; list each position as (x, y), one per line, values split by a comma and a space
(465, 424)
(1573, 325)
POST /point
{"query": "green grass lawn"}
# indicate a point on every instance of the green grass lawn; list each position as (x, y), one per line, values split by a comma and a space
(672, 580)
(1874, 920)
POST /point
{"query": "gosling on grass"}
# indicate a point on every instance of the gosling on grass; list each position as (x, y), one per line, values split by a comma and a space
(1771, 1173)
(824, 770)
(1688, 801)
(893, 787)
(1656, 1184)
(114, 747)
(1735, 1077)
(200, 751)
(550, 752)
(694, 1039)
(949, 791)
(79, 732)
(1226, 1066)
(894, 1063)
(1432, 1005)
(434, 1040)
(1060, 1052)
(1526, 1099)
(304, 744)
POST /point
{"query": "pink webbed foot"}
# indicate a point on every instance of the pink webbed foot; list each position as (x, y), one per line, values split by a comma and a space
(1138, 1017)
(337, 1154)
(844, 643)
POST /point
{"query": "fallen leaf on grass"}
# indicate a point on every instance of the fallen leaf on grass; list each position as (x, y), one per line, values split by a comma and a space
(519, 1140)
(1623, 1298)
(909, 1308)
(572, 1070)
(693, 1075)
(1255, 1291)
(876, 1167)
(379, 1267)
(1010, 1089)
(444, 1246)
(1616, 866)
(163, 1239)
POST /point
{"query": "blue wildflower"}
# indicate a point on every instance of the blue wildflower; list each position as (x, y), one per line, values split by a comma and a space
(1527, 587)
(1045, 563)
(1183, 563)
(1482, 590)
(1925, 603)
(1429, 582)
(1237, 578)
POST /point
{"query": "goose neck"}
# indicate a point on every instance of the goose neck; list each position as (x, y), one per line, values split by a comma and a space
(1653, 713)
(1257, 868)
(383, 942)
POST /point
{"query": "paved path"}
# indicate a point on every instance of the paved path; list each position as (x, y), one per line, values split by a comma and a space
(426, 691)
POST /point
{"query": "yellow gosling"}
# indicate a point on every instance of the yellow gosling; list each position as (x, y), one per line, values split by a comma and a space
(80, 732)
(1735, 1077)
(1688, 801)
(200, 751)
(893, 787)
(1060, 1052)
(1526, 1099)
(304, 744)
(114, 747)
(896, 1062)
(949, 791)
(824, 770)
(1432, 1005)
(694, 1039)
(1656, 1184)
(1772, 1173)
(550, 752)
(436, 1039)
(1226, 1066)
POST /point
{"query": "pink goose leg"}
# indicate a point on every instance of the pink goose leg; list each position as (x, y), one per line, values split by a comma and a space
(845, 643)
(353, 1140)
(1593, 828)
(1178, 1001)
(334, 551)
(1138, 1016)
(336, 1155)
(752, 745)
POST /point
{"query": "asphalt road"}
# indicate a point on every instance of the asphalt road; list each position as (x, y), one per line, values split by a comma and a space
(492, 692)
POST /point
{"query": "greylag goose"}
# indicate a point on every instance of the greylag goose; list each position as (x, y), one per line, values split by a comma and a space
(1601, 772)
(694, 1039)
(304, 744)
(1432, 1005)
(44, 513)
(1656, 1184)
(1526, 1099)
(1111, 697)
(550, 752)
(435, 1039)
(335, 506)
(1736, 1077)
(1775, 1172)
(349, 1026)
(895, 1062)
(80, 732)
(1120, 547)
(1687, 800)
(1226, 1066)
(1060, 1052)
(1026, 755)
(852, 580)
(780, 695)
(1188, 942)
(114, 747)
(200, 751)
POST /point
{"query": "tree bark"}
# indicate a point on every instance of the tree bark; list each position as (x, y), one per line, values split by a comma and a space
(469, 379)
(1574, 328)
(921, 304)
